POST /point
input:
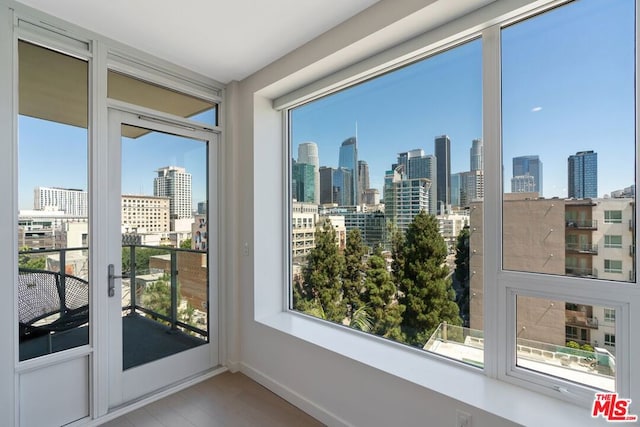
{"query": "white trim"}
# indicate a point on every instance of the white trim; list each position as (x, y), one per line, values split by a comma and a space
(316, 411)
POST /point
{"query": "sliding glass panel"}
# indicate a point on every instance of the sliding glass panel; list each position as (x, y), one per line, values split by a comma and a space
(164, 245)
(138, 92)
(387, 189)
(53, 234)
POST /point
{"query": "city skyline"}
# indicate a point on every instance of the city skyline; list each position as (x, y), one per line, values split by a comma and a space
(556, 113)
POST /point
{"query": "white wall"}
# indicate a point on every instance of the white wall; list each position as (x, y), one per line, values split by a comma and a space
(334, 388)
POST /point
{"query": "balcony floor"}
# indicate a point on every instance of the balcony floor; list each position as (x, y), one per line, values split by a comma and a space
(144, 340)
(224, 400)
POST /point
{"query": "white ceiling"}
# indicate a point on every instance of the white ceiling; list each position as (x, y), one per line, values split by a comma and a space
(222, 39)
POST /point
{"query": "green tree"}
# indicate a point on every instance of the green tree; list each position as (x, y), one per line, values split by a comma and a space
(461, 274)
(353, 275)
(29, 261)
(157, 297)
(142, 257)
(426, 290)
(380, 298)
(186, 244)
(322, 274)
(397, 260)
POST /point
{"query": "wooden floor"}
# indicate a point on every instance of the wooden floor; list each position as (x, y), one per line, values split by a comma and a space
(229, 400)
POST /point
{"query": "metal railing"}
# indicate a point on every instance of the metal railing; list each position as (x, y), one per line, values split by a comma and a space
(590, 224)
(142, 276)
(586, 248)
(581, 271)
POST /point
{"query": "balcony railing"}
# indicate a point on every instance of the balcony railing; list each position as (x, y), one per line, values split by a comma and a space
(582, 321)
(581, 272)
(583, 224)
(156, 291)
(583, 248)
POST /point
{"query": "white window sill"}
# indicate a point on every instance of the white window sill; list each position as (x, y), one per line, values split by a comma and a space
(455, 380)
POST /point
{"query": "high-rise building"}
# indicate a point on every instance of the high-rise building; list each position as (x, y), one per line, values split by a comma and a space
(175, 183)
(348, 159)
(471, 187)
(456, 189)
(583, 175)
(363, 179)
(476, 155)
(202, 208)
(343, 186)
(404, 198)
(326, 185)
(415, 164)
(531, 166)
(304, 182)
(70, 201)
(442, 152)
(523, 184)
(308, 154)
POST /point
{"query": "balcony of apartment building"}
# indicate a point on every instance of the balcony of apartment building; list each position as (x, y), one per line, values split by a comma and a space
(581, 248)
(163, 302)
(580, 316)
(582, 224)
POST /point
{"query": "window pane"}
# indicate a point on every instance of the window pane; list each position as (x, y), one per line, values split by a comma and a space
(567, 340)
(134, 91)
(387, 205)
(568, 105)
(53, 234)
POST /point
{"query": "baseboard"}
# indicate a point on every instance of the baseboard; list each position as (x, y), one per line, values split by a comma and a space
(291, 396)
(234, 366)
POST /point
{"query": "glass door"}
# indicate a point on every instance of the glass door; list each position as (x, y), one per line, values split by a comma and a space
(162, 278)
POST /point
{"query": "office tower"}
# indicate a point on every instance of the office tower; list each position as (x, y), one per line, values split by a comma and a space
(583, 175)
(70, 201)
(175, 183)
(476, 156)
(472, 187)
(528, 166)
(415, 164)
(202, 208)
(363, 179)
(443, 171)
(523, 184)
(304, 182)
(343, 186)
(456, 189)
(308, 154)
(326, 185)
(371, 196)
(348, 159)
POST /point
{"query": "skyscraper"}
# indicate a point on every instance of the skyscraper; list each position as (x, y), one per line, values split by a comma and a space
(343, 186)
(326, 185)
(175, 183)
(304, 182)
(308, 154)
(348, 159)
(363, 179)
(527, 165)
(418, 165)
(476, 155)
(443, 165)
(70, 201)
(582, 169)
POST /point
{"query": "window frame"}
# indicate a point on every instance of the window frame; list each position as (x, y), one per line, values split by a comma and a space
(609, 244)
(500, 297)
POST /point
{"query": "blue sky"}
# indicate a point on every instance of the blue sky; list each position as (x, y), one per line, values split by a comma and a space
(55, 155)
(567, 81)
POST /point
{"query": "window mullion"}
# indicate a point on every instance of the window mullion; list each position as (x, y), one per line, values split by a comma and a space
(494, 293)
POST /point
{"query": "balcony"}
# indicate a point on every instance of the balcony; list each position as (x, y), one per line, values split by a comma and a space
(581, 272)
(576, 318)
(583, 224)
(164, 298)
(632, 250)
(586, 248)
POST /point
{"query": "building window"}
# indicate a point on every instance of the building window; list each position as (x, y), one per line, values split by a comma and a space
(612, 266)
(610, 340)
(609, 315)
(612, 241)
(613, 217)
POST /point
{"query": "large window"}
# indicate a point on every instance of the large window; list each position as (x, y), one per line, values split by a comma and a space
(53, 267)
(387, 205)
(561, 205)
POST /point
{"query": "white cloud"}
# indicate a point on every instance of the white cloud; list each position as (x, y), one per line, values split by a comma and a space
(536, 109)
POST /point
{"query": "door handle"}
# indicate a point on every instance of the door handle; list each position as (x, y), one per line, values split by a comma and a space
(111, 286)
